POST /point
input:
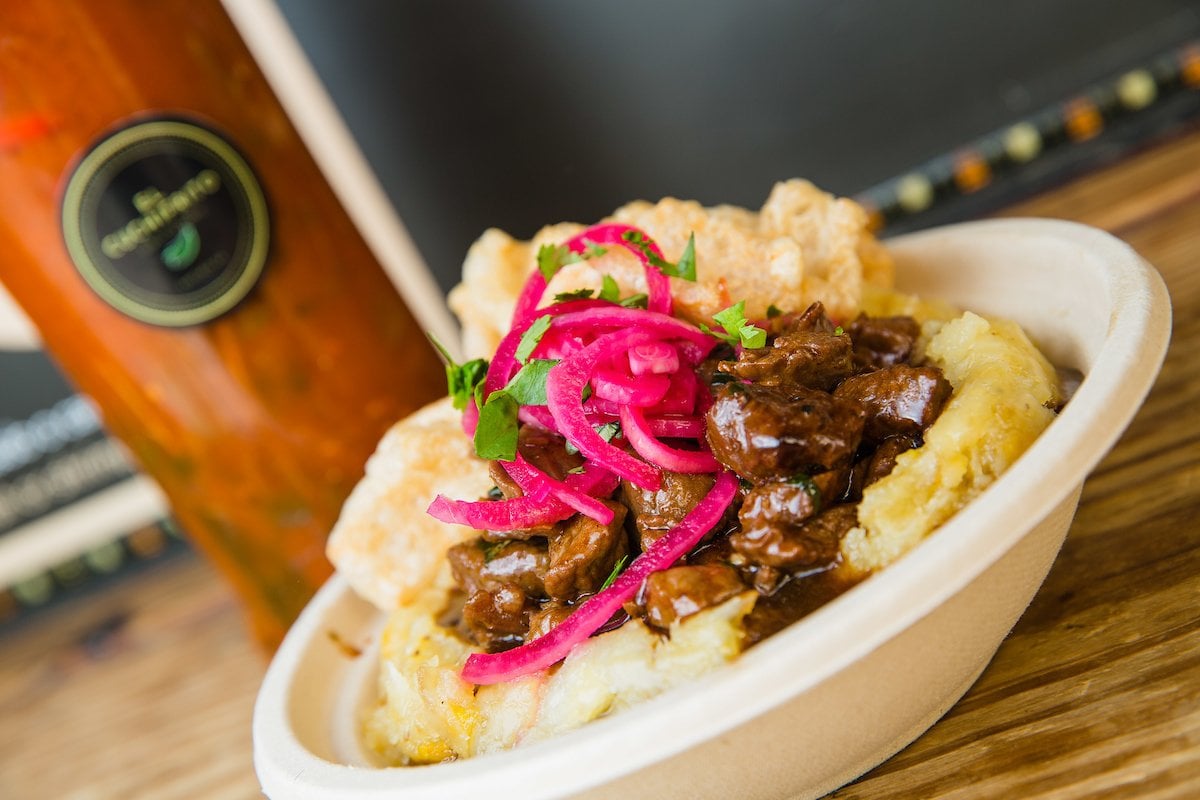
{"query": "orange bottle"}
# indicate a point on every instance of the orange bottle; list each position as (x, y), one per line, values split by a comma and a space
(191, 271)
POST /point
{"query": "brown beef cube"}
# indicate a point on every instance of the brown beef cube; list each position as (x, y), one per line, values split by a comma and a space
(780, 503)
(883, 460)
(811, 359)
(547, 451)
(497, 618)
(883, 341)
(583, 554)
(546, 619)
(813, 544)
(898, 400)
(764, 434)
(657, 512)
(480, 565)
(812, 318)
(507, 486)
(679, 592)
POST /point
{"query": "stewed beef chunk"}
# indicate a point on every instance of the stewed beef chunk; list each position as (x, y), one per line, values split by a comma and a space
(763, 433)
(883, 341)
(898, 400)
(584, 553)
(546, 619)
(812, 318)
(813, 544)
(883, 460)
(477, 565)
(657, 512)
(780, 503)
(547, 451)
(507, 487)
(679, 592)
(812, 359)
(497, 618)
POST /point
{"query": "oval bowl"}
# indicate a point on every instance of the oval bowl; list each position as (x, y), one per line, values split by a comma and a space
(837, 693)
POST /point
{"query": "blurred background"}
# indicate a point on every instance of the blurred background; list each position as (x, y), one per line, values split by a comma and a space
(518, 114)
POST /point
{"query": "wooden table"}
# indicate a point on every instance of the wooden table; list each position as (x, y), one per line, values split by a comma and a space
(146, 690)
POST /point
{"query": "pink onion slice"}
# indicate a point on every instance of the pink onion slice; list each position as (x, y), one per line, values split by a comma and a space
(658, 287)
(639, 435)
(655, 358)
(677, 427)
(487, 668)
(515, 514)
(617, 387)
(564, 393)
(536, 483)
(522, 513)
(694, 344)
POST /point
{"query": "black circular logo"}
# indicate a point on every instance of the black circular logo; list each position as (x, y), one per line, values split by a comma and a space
(166, 221)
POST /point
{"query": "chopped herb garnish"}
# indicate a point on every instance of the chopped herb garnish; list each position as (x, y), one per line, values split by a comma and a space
(578, 294)
(494, 493)
(531, 337)
(617, 569)
(461, 379)
(773, 311)
(635, 301)
(838, 331)
(496, 431)
(810, 487)
(738, 330)
(492, 550)
(686, 268)
(528, 386)
(551, 258)
(608, 430)
(577, 470)
(609, 289)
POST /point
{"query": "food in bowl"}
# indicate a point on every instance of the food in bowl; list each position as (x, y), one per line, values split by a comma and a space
(664, 462)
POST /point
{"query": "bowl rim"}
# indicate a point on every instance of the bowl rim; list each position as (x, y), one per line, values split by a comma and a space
(830, 639)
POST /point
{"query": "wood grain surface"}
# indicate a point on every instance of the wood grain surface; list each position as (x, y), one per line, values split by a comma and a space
(146, 690)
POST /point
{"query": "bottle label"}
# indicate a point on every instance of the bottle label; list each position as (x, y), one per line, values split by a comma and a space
(166, 221)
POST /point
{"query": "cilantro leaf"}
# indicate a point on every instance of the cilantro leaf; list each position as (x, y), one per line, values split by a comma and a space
(686, 268)
(608, 430)
(496, 431)
(528, 386)
(635, 301)
(617, 569)
(609, 290)
(531, 337)
(578, 294)
(773, 311)
(461, 379)
(738, 330)
(551, 258)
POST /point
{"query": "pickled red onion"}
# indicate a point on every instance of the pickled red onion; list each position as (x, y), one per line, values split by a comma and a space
(536, 483)
(522, 513)
(656, 358)
(658, 287)
(617, 387)
(564, 393)
(640, 436)
(487, 668)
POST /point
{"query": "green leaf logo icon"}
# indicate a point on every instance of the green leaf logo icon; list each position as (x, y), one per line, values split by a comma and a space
(181, 251)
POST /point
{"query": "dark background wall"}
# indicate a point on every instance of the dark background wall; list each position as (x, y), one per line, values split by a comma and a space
(518, 113)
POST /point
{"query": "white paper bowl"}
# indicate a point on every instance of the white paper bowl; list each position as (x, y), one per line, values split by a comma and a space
(839, 692)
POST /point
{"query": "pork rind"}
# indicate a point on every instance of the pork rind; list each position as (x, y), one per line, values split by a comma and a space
(804, 245)
(384, 542)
